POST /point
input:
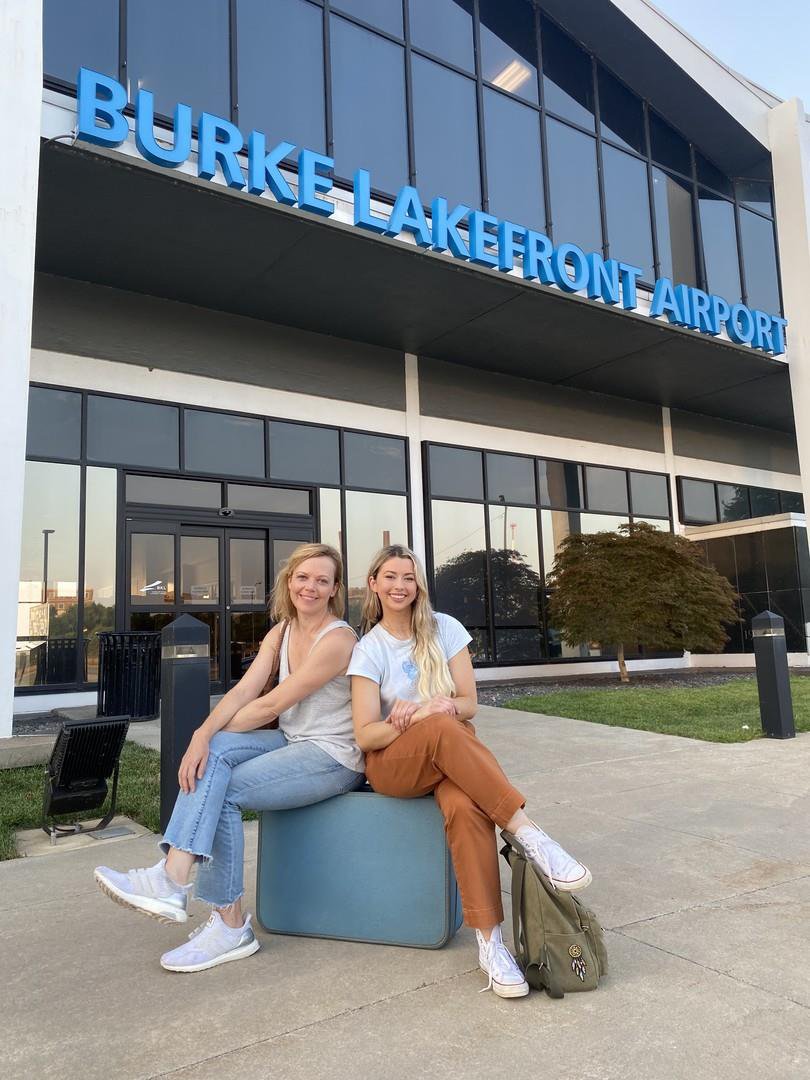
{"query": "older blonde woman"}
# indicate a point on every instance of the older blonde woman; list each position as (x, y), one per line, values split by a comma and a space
(231, 765)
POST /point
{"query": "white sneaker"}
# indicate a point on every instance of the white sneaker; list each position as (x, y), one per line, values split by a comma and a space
(562, 869)
(211, 944)
(495, 960)
(148, 890)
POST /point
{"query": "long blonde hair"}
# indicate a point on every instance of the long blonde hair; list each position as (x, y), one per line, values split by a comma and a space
(281, 605)
(434, 674)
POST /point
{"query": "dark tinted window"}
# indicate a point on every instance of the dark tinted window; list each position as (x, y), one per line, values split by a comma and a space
(791, 502)
(508, 46)
(750, 552)
(674, 224)
(733, 502)
(606, 489)
(559, 484)
(368, 106)
(510, 479)
(304, 453)
(519, 646)
(709, 174)
(514, 564)
(456, 473)
(387, 14)
(179, 51)
(567, 77)
(132, 433)
(627, 201)
(574, 188)
(446, 138)
(444, 28)
(172, 491)
(221, 443)
(667, 146)
(697, 497)
(621, 116)
(373, 461)
(54, 423)
(514, 166)
(719, 246)
(648, 495)
(759, 260)
(756, 195)
(459, 559)
(82, 33)
(764, 501)
(780, 559)
(280, 46)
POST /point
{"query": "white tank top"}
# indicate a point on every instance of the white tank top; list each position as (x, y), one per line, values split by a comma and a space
(325, 717)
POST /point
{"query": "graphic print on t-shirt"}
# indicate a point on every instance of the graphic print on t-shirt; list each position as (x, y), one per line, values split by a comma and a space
(411, 670)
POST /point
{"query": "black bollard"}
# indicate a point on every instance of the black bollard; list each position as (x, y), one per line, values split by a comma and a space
(185, 695)
(773, 679)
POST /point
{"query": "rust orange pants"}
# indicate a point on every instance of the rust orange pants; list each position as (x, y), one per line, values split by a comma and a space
(444, 755)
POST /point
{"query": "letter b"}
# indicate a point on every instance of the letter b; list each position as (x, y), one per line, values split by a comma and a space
(101, 98)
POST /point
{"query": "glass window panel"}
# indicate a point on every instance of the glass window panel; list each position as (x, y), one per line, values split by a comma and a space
(556, 525)
(509, 46)
(479, 646)
(48, 598)
(510, 479)
(374, 461)
(179, 51)
(720, 555)
(519, 646)
(199, 569)
(756, 195)
(709, 174)
(750, 556)
(82, 33)
(781, 564)
(621, 115)
(719, 245)
(655, 523)
(372, 521)
(331, 525)
(368, 106)
(456, 472)
(280, 46)
(514, 561)
(171, 491)
(282, 550)
(444, 28)
(596, 523)
(211, 620)
(446, 138)
(733, 502)
(132, 432)
(764, 501)
(791, 502)
(303, 453)
(153, 621)
(668, 147)
(606, 489)
(387, 14)
(627, 202)
(560, 483)
(649, 494)
(248, 579)
(459, 561)
(151, 569)
(567, 77)
(247, 630)
(698, 502)
(759, 260)
(268, 500)
(223, 443)
(514, 164)
(54, 423)
(788, 604)
(574, 187)
(674, 224)
(99, 561)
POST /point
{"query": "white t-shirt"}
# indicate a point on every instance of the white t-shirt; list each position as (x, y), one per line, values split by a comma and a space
(388, 661)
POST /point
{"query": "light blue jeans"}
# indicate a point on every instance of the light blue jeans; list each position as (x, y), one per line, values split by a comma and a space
(250, 770)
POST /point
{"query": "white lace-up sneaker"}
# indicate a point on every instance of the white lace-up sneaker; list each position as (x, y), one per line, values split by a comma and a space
(562, 869)
(495, 960)
(148, 890)
(211, 944)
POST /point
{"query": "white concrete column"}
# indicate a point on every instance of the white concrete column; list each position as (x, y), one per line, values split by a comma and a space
(789, 135)
(669, 456)
(413, 424)
(20, 109)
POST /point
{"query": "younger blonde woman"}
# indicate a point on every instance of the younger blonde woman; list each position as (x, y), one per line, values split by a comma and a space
(231, 765)
(413, 695)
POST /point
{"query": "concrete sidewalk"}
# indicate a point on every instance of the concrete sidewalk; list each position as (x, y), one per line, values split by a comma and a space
(701, 863)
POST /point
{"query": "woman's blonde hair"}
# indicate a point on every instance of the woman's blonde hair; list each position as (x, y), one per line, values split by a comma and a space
(434, 674)
(281, 605)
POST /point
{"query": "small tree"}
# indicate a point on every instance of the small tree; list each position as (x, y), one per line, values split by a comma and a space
(639, 586)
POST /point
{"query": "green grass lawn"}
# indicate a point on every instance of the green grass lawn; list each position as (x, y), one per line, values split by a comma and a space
(726, 713)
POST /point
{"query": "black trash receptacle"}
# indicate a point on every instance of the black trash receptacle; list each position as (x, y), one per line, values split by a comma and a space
(129, 674)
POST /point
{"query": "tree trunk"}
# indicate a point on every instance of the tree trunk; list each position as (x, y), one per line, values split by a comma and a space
(623, 675)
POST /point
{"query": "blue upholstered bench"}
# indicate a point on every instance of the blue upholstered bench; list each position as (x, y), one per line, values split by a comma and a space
(360, 867)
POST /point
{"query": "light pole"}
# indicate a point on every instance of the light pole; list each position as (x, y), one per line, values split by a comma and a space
(502, 501)
(45, 534)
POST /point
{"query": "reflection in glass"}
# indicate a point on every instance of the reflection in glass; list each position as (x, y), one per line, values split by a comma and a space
(791, 502)
(514, 561)
(372, 521)
(387, 14)
(524, 646)
(248, 583)
(152, 569)
(606, 489)
(199, 569)
(54, 423)
(759, 260)
(132, 432)
(668, 147)
(444, 28)
(508, 48)
(374, 461)
(99, 561)
(247, 630)
(567, 77)
(304, 453)
(459, 559)
(150, 620)
(456, 472)
(479, 646)
(655, 523)
(750, 553)
(268, 500)
(510, 479)
(331, 527)
(49, 576)
(627, 204)
(282, 550)
(81, 33)
(711, 176)
(755, 194)
(733, 502)
(556, 525)
(649, 493)
(780, 559)
(211, 620)
(764, 501)
(171, 491)
(674, 226)
(560, 484)
(514, 166)
(224, 443)
(698, 502)
(621, 116)
(574, 187)
(719, 245)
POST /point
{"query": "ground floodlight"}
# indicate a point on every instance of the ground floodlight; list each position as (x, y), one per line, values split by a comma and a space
(85, 755)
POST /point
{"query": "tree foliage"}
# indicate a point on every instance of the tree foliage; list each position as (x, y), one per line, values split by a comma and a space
(461, 588)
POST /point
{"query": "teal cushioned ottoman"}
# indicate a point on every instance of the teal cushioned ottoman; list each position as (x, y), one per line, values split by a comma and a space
(360, 867)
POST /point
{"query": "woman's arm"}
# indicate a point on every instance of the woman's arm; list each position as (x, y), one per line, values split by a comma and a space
(370, 731)
(465, 702)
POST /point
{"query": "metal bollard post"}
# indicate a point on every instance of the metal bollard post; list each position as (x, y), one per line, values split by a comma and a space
(773, 680)
(185, 695)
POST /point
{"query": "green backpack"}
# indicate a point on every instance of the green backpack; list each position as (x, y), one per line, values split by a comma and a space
(559, 944)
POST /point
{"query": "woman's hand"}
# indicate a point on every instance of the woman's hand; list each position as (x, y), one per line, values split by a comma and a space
(401, 714)
(438, 704)
(192, 767)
